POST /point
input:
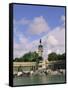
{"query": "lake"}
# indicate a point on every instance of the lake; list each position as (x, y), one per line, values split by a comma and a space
(49, 79)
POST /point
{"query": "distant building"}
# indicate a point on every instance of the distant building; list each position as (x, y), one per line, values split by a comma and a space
(40, 49)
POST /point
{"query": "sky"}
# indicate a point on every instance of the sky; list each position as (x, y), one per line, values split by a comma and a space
(32, 23)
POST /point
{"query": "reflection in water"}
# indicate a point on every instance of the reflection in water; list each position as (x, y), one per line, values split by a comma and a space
(39, 79)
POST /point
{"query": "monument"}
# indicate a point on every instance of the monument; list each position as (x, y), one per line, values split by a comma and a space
(40, 53)
(40, 50)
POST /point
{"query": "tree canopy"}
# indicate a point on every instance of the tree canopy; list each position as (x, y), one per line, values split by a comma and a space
(53, 56)
(28, 57)
(60, 61)
(33, 56)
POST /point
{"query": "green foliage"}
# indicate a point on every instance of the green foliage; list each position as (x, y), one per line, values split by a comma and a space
(28, 57)
(60, 61)
(53, 56)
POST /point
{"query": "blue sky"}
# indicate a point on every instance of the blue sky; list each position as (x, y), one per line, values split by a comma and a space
(34, 22)
(52, 14)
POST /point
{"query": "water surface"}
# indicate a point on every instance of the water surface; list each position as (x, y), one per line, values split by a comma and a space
(49, 79)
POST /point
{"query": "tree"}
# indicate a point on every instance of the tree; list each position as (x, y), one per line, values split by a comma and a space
(16, 59)
(60, 60)
(52, 56)
(28, 57)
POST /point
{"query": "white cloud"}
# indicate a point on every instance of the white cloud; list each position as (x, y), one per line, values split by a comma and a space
(63, 20)
(23, 39)
(52, 40)
(57, 51)
(24, 46)
(20, 44)
(38, 26)
(22, 21)
(49, 51)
